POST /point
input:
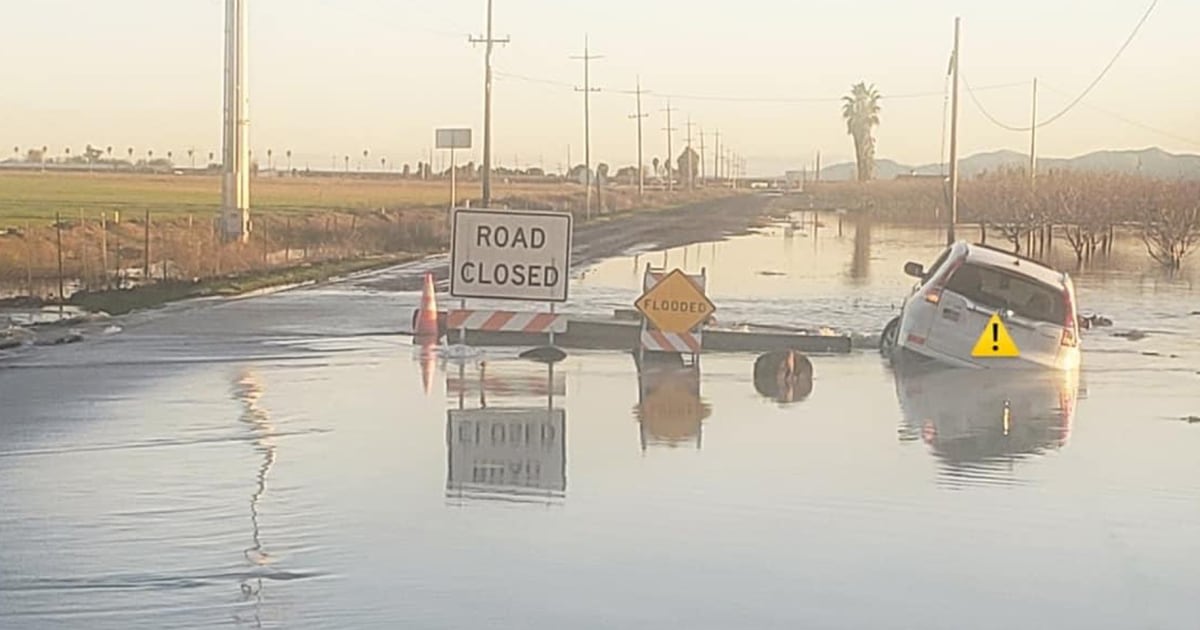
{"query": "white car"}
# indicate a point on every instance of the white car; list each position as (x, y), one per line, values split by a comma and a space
(949, 309)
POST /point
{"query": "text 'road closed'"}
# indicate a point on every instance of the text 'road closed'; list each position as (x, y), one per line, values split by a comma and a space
(511, 255)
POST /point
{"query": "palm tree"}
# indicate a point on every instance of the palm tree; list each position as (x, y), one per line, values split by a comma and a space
(347, 163)
(360, 166)
(289, 157)
(68, 154)
(383, 163)
(192, 157)
(269, 154)
(16, 152)
(169, 156)
(860, 109)
(211, 157)
(655, 163)
(131, 155)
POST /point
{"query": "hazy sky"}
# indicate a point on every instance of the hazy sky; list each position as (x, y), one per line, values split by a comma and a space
(339, 76)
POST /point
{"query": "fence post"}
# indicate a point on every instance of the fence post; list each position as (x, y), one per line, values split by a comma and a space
(58, 235)
(146, 249)
(287, 240)
(104, 248)
(28, 259)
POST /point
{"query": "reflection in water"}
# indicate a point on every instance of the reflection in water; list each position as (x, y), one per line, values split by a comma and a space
(979, 423)
(506, 453)
(860, 261)
(670, 410)
(248, 390)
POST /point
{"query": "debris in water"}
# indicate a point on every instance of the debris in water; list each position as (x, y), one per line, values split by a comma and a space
(1094, 321)
(112, 330)
(1132, 335)
(1191, 419)
(544, 354)
(771, 273)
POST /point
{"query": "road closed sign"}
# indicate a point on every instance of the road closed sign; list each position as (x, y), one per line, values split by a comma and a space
(510, 255)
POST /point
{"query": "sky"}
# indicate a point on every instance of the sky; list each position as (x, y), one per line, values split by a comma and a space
(336, 77)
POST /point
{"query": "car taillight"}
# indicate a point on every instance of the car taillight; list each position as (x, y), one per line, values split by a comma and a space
(933, 295)
(1070, 336)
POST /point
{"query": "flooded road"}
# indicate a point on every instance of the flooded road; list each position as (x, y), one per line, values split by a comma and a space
(288, 461)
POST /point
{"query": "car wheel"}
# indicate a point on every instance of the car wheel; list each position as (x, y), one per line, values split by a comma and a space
(889, 336)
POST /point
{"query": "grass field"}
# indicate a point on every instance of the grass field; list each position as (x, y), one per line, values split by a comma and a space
(36, 197)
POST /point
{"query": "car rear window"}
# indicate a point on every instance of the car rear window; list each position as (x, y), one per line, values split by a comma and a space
(999, 288)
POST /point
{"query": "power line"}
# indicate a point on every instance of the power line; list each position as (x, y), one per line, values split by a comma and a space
(1096, 81)
(1130, 121)
(745, 99)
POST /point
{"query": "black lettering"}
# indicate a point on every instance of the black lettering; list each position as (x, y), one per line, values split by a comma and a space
(466, 277)
(537, 238)
(551, 279)
(534, 276)
(518, 272)
(519, 239)
(500, 274)
(483, 236)
(484, 277)
(502, 235)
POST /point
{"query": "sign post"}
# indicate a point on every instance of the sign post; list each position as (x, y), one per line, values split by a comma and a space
(674, 309)
(453, 139)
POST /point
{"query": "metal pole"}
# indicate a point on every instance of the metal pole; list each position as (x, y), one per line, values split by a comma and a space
(235, 168)
(453, 188)
(952, 218)
(587, 130)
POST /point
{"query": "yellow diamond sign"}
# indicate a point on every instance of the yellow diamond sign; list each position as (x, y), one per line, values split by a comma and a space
(675, 304)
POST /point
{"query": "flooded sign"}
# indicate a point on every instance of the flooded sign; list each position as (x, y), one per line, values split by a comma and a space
(675, 304)
(995, 341)
(453, 138)
(510, 255)
(510, 450)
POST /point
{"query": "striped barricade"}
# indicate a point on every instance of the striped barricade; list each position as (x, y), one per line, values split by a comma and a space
(659, 341)
(506, 321)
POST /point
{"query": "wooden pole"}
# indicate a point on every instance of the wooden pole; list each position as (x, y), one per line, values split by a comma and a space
(952, 218)
(104, 248)
(58, 236)
(146, 249)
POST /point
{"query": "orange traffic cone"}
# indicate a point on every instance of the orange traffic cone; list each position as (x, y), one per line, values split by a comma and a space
(426, 327)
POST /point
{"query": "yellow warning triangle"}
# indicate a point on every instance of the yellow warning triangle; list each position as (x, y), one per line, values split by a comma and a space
(995, 341)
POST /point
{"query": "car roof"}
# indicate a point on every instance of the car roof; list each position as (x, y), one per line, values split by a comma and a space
(992, 257)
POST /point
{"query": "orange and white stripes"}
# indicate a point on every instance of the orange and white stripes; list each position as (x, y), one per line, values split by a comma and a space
(510, 321)
(659, 341)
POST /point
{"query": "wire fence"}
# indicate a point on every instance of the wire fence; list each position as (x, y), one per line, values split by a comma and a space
(53, 260)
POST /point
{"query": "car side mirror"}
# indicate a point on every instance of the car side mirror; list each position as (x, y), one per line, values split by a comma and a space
(914, 269)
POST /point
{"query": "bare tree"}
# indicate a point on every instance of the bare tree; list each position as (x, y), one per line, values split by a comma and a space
(1171, 222)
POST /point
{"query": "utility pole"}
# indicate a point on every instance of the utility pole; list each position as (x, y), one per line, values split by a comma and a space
(701, 156)
(691, 173)
(952, 217)
(487, 40)
(587, 130)
(1033, 139)
(670, 157)
(717, 156)
(639, 116)
(817, 173)
(235, 163)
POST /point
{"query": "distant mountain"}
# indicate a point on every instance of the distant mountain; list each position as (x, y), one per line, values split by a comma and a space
(1153, 161)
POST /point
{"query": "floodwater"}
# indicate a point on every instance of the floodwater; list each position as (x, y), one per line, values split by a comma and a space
(287, 461)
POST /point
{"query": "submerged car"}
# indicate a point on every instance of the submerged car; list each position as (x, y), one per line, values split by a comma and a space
(949, 310)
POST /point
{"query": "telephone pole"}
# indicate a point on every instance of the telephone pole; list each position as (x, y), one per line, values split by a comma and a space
(235, 162)
(701, 156)
(670, 158)
(1033, 139)
(587, 130)
(639, 116)
(717, 156)
(952, 217)
(487, 40)
(691, 168)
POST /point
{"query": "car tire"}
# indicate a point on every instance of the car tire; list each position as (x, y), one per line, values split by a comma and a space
(889, 337)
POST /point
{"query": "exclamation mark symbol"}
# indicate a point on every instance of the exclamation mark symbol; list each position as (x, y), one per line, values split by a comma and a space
(995, 337)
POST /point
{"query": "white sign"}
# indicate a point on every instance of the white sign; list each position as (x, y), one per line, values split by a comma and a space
(507, 449)
(510, 255)
(452, 138)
